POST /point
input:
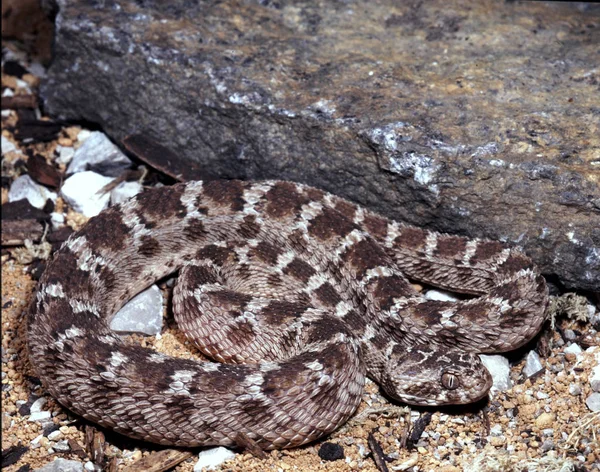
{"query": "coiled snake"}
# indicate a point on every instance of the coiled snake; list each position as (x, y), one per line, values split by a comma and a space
(296, 293)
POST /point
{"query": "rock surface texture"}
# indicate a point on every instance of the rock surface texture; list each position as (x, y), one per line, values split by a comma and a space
(472, 118)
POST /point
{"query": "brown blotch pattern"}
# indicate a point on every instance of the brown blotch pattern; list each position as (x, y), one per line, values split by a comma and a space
(231, 298)
(388, 288)
(200, 275)
(355, 321)
(249, 228)
(486, 250)
(346, 209)
(365, 255)
(283, 199)
(330, 223)
(278, 309)
(327, 295)
(274, 280)
(314, 194)
(411, 238)
(194, 229)
(451, 247)
(266, 252)
(64, 270)
(299, 269)
(149, 246)
(380, 341)
(514, 263)
(228, 193)
(325, 328)
(158, 204)
(376, 226)
(430, 312)
(217, 254)
(109, 232)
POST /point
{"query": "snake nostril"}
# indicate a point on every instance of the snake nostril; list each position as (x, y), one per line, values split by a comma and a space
(449, 381)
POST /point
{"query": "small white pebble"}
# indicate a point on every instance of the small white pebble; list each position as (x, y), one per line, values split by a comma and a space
(209, 459)
(573, 349)
(595, 378)
(38, 405)
(440, 295)
(62, 446)
(593, 401)
(54, 435)
(82, 192)
(40, 416)
(7, 146)
(57, 220)
(25, 187)
(496, 430)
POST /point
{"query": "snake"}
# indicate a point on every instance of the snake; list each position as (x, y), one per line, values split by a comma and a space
(295, 295)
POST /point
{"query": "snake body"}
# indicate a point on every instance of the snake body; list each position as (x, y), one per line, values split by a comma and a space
(297, 295)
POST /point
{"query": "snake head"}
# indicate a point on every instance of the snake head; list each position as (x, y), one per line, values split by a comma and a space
(432, 375)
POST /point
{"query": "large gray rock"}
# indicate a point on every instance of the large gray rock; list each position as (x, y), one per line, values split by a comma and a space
(478, 118)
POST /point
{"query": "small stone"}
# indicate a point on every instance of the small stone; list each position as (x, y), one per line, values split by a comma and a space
(81, 192)
(99, 151)
(496, 430)
(124, 191)
(499, 368)
(573, 349)
(38, 405)
(209, 459)
(547, 445)
(545, 420)
(62, 465)
(595, 379)
(40, 416)
(593, 401)
(533, 364)
(548, 432)
(440, 295)
(55, 435)
(25, 187)
(331, 451)
(574, 389)
(7, 146)
(89, 465)
(541, 395)
(570, 335)
(57, 220)
(62, 446)
(142, 314)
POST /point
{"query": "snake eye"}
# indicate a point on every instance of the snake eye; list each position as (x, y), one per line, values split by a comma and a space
(449, 381)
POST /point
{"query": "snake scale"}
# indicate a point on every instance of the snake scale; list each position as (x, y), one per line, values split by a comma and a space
(295, 293)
